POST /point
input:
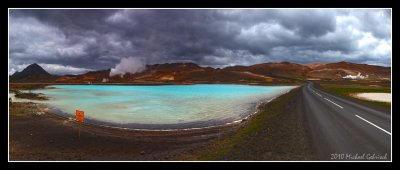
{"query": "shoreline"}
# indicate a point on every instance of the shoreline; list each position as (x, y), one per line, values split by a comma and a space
(92, 122)
(35, 86)
(253, 110)
(50, 114)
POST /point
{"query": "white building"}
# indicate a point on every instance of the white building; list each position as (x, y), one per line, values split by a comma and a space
(358, 76)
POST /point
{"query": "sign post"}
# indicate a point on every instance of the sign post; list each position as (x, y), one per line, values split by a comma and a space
(80, 118)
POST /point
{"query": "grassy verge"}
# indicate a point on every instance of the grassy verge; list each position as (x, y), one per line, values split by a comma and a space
(249, 141)
(349, 90)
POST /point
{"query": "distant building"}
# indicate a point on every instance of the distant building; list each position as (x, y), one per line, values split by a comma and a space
(358, 76)
(105, 80)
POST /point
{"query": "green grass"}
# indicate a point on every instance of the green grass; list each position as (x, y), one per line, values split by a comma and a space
(383, 104)
(226, 145)
(348, 90)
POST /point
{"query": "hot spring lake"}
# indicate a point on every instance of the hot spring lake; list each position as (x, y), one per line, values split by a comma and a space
(159, 107)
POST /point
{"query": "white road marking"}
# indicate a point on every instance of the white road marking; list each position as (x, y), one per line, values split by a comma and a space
(318, 94)
(334, 103)
(374, 125)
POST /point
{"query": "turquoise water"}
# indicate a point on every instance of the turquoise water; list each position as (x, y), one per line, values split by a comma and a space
(160, 106)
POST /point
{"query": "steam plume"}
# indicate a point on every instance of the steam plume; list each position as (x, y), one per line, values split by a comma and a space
(128, 65)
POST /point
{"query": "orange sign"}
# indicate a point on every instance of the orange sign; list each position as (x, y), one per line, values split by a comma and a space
(80, 116)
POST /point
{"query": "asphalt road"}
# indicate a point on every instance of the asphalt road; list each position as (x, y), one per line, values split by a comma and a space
(344, 130)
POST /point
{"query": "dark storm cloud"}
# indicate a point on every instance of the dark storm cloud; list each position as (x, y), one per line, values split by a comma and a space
(81, 40)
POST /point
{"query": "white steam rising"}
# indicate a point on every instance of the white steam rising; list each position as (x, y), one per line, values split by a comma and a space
(128, 65)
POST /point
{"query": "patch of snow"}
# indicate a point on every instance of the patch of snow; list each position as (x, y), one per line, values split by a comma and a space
(383, 97)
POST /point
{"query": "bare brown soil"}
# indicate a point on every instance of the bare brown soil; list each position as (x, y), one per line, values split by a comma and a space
(50, 137)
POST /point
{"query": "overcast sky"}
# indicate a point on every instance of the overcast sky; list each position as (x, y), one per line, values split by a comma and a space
(75, 41)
